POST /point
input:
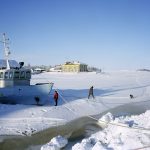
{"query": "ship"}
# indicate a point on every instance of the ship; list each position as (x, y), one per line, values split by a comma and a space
(15, 82)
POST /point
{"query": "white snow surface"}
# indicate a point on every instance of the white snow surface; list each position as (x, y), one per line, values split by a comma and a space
(56, 143)
(112, 101)
(121, 133)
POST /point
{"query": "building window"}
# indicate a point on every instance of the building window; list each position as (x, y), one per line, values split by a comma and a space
(1, 75)
(22, 74)
(10, 75)
(28, 74)
(6, 75)
(16, 74)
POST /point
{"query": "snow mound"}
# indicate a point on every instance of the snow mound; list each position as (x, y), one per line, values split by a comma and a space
(122, 133)
(104, 120)
(88, 144)
(56, 143)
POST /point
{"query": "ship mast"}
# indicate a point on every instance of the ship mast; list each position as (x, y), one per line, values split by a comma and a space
(6, 50)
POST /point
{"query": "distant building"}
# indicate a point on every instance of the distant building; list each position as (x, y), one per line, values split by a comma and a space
(57, 68)
(74, 67)
(38, 70)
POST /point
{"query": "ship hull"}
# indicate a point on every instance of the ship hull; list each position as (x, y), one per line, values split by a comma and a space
(38, 94)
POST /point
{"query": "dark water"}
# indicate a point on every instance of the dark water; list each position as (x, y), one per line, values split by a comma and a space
(74, 131)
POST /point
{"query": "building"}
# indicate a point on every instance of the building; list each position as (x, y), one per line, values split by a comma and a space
(74, 67)
(57, 68)
(37, 70)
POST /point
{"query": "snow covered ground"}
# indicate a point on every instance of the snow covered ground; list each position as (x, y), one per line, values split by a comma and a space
(111, 90)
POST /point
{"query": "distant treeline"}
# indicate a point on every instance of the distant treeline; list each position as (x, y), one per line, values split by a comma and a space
(90, 69)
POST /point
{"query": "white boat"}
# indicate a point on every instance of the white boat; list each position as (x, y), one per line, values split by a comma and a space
(15, 87)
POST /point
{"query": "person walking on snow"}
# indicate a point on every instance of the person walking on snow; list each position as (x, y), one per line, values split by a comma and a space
(56, 97)
(91, 92)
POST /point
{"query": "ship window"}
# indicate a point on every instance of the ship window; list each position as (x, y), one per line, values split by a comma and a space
(6, 75)
(28, 74)
(16, 75)
(10, 75)
(1, 74)
(22, 74)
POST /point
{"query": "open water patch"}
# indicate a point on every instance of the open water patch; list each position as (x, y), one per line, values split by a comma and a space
(73, 131)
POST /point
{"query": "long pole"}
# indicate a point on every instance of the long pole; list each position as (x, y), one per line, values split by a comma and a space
(6, 50)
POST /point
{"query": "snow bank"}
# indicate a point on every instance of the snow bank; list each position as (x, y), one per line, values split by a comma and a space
(122, 133)
(56, 143)
(104, 120)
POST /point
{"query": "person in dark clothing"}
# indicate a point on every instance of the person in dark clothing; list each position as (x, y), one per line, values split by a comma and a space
(56, 97)
(91, 92)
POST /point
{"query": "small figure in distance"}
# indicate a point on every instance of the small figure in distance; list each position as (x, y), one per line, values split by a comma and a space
(131, 96)
(56, 97)
(91, 92)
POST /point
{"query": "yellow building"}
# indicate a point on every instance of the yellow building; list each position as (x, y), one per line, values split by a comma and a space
(74, 67)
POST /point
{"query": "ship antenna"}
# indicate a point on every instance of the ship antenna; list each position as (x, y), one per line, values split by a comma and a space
(6, 50)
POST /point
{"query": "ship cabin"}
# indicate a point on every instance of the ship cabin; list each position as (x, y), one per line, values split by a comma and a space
(14, 75)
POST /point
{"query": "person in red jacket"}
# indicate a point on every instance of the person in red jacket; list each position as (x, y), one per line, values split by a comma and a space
(56, 97)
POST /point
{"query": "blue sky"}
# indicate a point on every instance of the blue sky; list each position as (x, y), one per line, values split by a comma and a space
(109, 34)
